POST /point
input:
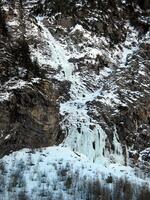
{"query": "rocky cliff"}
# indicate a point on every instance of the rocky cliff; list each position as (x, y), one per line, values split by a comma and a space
(77, 74)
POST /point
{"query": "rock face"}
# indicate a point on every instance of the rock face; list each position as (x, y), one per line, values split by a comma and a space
(29, 112)
(29, 118)
(75, 69)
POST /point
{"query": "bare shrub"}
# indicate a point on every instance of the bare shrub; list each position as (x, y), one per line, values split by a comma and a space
(144, 193)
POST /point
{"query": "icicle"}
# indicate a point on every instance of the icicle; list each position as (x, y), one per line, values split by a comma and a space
(118, 151)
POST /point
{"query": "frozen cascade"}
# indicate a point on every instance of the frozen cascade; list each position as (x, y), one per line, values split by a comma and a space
(84, 135)
(58, 54)
(82, 139)
(118, 151)
(127, 53)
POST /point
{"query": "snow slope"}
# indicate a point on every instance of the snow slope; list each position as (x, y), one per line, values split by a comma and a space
(58, 173)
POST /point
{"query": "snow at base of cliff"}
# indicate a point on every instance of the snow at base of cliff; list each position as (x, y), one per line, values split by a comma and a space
(55, 171)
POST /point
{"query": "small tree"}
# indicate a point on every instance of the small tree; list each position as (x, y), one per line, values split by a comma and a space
(3, 28)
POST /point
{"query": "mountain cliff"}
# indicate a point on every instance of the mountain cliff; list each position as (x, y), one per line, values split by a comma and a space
(75, 99)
